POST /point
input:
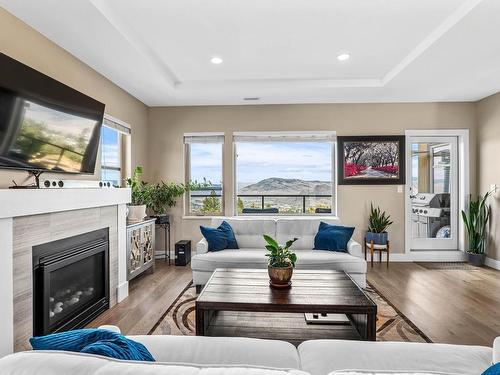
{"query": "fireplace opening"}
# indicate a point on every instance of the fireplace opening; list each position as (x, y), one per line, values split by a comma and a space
(70, 282)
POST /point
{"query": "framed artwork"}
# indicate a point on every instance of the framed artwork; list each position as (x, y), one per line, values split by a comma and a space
(371, 160)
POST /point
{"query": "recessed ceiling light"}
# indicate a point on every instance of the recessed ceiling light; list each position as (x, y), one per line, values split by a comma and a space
(216, 60)
(343, 56)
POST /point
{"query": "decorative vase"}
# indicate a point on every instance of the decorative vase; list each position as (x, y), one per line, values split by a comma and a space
(136, 213)
(476, 259)
(280, 277)
(377, 238)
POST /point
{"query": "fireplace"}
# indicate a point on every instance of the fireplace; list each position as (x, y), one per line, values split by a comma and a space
(70, 282)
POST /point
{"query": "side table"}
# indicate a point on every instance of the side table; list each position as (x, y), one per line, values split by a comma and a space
(380, 248)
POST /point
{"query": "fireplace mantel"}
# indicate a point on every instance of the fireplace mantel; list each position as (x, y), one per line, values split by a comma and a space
(24, 202)
(56, 207)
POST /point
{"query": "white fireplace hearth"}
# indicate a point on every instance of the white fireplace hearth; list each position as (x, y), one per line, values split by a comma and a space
(33, 217)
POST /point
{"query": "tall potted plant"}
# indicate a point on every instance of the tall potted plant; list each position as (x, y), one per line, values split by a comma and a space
(378, 223)
(476, 224)
(281, 262)
(163, 196)
(141, 196)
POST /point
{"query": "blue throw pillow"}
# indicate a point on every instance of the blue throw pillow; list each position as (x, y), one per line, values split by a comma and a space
(219, 238)
(332, 237)
(93, 340)
(493, 370)
(120, 348)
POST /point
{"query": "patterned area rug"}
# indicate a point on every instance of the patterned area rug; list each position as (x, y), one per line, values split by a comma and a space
(392, 325)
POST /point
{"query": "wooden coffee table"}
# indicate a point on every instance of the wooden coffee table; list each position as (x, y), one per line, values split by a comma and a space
(240, 302)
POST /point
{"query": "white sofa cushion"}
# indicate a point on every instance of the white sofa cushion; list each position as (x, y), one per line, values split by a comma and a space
(255, 258)
(230, 258)
(221, 350)
(66, 363)
(321, 357)
(249, 231)
(368, 372)
(304, 229)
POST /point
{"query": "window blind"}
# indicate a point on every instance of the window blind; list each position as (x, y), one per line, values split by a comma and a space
(118, 126)
(203, 138)
(326, 136)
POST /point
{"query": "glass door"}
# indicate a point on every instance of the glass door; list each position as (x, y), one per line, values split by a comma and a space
(433, 202)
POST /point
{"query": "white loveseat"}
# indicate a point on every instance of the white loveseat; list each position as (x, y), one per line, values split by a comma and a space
(185, 355)
(251, 252)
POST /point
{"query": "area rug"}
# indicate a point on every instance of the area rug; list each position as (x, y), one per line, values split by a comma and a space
(392, 325)
(447, 266)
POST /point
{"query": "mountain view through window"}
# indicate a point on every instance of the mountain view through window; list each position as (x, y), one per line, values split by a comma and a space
(284, 177)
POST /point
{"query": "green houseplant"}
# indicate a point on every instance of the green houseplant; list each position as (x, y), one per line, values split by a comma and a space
(163, 196)
(476, 224)
(141, 196)
(378, 223)
(281, 262)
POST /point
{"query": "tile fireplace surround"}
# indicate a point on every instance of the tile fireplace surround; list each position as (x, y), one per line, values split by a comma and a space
(33, 217)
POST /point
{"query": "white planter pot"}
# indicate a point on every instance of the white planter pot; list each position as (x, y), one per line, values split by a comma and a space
(136, 213)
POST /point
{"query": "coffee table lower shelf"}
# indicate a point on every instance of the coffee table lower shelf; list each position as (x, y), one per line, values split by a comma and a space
(290, 327)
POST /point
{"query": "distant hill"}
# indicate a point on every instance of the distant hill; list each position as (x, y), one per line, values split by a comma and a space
(293, 186)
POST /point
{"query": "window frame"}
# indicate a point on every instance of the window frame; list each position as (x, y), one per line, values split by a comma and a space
(104, 167)
(187, 175)
(124, 134)
(334, 173)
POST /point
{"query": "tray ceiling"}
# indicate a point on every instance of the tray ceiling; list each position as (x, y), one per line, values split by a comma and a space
(280, 51)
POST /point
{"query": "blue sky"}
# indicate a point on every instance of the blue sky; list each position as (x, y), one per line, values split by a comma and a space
(109, 144)
(260, 160)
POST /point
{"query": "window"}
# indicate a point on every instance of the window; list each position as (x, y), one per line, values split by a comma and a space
(111, 151)
(285, 173)
(204, 170)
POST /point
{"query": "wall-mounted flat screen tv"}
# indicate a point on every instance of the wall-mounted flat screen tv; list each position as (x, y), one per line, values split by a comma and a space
(45, 125)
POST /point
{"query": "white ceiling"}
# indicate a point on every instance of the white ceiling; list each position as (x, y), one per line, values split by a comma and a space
(281, 51)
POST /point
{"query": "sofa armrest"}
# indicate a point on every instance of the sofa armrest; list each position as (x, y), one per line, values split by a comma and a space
(354, 249)
(496, 350)
(202, 246)
(111, 328)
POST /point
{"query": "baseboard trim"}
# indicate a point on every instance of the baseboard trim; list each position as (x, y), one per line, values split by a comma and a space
(493, 263)
(122, 291)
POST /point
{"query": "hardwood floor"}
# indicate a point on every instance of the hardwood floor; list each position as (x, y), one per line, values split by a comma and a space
(150, 295)
(449, 306)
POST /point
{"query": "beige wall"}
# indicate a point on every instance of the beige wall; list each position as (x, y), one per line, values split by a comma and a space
(23, 43)
(488, 118)
(159, 137)
(167, 125)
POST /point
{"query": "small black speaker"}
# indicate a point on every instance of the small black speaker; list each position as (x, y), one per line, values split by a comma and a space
(182, 253)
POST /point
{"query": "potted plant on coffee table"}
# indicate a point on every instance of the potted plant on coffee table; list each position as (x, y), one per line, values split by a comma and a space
(378, 223)
(281, 262)
(476, 224)
(141, 197)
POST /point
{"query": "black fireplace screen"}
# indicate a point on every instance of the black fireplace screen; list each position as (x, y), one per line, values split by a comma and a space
(70, 282)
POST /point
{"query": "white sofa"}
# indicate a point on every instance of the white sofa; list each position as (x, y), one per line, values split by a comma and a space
(251, 252)
(185, 355)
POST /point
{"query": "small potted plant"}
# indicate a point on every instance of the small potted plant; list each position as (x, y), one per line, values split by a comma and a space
(141, 197)
(163, 196)
(378, 223)
(281, 262)
(476, 224)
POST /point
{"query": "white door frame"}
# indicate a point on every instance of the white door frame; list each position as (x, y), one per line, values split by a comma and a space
(463, 189)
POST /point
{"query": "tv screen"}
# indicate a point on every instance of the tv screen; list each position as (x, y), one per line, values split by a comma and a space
(44, 124)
